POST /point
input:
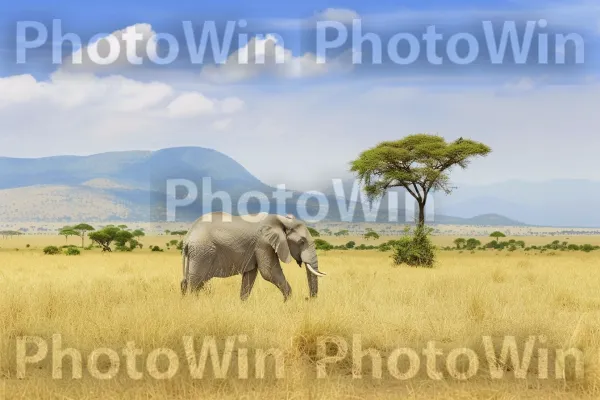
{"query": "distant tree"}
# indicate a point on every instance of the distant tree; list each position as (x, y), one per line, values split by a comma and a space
(343, 232)
(138, 233)
(321, 244)
(179, 233)
(313, 232)
(167, 232)
(68, 231)
(371, 235)
(123, 227)
(10, 234)
(326, 231)
(81, 230)
(460, 243)
(418, 163)
(350, 244)
(472, 244)
(497, 235)
(124, 239)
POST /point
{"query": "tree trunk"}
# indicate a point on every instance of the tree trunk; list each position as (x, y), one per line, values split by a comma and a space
(421, 222)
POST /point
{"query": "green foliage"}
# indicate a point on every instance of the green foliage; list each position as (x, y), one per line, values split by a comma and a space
(179, 233)
(123, 239)
(313, 232)
(418, 163)
(587, 248)
(497, 234)
(51, 250)
(343, 232)
(174, 242)
(321, 244)
(72, 251)
(138, 233)
(472, 244)
(68, 231)
(415, 250)
(371, 235)
(460, 243)
(180, 245)
(81, 230)
(350, 244)
(156, 248)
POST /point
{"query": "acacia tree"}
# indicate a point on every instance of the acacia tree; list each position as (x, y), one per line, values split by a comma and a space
(81, 230)
(68, 231)
(419, 163)
(497, 235)
(371, 235)
(460, 242)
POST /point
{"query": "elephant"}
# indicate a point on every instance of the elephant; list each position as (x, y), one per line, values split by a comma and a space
(221, 245)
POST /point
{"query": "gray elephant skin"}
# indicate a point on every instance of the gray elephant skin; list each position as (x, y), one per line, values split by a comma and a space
(220, 245)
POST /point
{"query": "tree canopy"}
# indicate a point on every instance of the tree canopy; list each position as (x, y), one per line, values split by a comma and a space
(419, 163)
(68, 231)
(81, 229)
(313, 232)
(124, 239)
(497, 234)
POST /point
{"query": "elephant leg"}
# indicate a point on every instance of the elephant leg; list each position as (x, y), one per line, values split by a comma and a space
(276, 277)
(248, 279)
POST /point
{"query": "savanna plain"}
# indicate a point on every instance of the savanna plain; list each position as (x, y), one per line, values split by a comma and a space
(105, 300)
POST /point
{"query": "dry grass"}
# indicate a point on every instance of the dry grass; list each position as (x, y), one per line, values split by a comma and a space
(106, 300)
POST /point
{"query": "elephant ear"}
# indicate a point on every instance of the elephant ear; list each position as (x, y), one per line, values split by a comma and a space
(275, 236)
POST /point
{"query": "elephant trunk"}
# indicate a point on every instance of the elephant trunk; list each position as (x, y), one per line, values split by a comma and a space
(312, 271)
(313, 280)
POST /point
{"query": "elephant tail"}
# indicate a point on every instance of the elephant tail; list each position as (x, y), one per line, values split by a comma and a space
(186, 265)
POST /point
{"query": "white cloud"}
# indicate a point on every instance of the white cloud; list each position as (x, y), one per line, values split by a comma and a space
(191, 105)
(222, 124)
(107, 95)
(142, 47)
(266, 56)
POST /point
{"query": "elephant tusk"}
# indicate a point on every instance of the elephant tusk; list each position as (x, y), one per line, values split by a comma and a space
(313, 271)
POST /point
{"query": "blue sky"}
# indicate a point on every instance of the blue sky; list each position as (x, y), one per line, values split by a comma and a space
(535, 118)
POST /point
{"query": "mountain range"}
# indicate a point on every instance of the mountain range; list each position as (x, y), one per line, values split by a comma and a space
(132, 186)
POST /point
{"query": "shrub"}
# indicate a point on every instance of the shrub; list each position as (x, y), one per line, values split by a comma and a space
(321, 244)
(180, 245)
(51, 250)
(350, 244)
(28, 246)
(156, 248)
(416, 250)
(72, 251)
(586, 247)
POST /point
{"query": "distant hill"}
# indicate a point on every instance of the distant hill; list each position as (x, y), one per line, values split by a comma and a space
(131, 186)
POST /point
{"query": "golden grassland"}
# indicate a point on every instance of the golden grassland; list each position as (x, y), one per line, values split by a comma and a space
(106, 300)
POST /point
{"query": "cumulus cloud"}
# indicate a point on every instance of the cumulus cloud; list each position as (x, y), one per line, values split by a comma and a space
(267, 56)
(190, 105)
(125, 48)
(114, 93)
